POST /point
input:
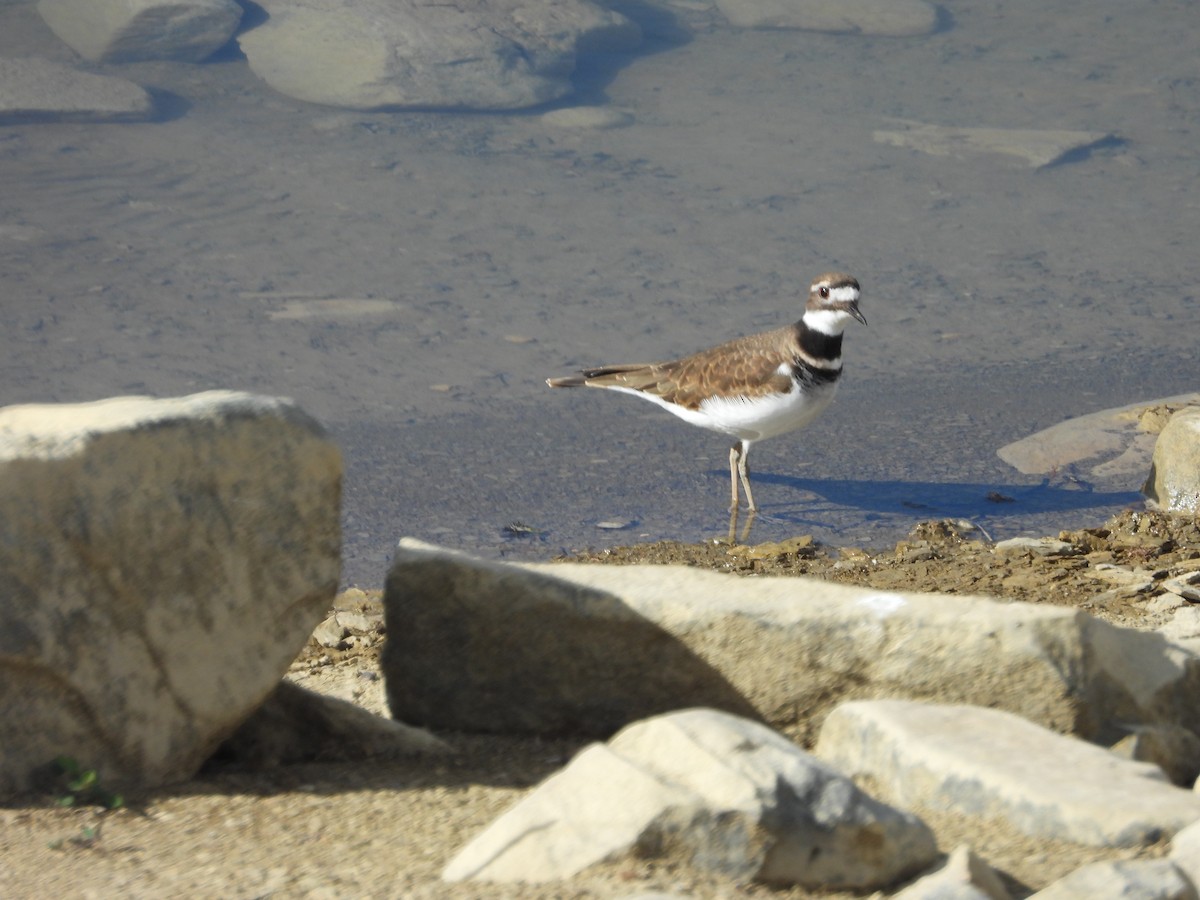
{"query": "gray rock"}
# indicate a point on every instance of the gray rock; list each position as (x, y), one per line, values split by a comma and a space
(123, 31)
(330, 632)
(354, 621)
(1110, 442)
(964, 876)
(895, 18)
(1037, 148)
(1174, 482)
(706, 789)
(548, 648)
(1141, 879)
(1173, 749)
(162, 563)
(476, 54)
(995, 765)
(1186, 586)
(296, 725)
(1134, 581)
(341, 624)
(34, 89)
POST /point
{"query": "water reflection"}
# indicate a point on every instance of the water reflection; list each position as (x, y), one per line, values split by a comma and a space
(999, 507)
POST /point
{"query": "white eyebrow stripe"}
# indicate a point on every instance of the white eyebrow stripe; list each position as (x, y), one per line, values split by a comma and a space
(843, 294)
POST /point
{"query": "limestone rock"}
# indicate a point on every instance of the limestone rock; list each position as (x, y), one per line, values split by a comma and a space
(554, 648)
(1144, 879)
(708, 789)
(330, 632)
(39, 90)
(964, 877)
(162, 563)
(380, 54)
(995, 765)
(297, 725)
(1112, 442)
(1174, 482)
(1185, 586)
(1037, 148)
(895, 18)
(123, 31)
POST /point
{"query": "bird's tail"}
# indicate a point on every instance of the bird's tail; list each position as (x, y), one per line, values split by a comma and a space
(635, 376)
(568, 381)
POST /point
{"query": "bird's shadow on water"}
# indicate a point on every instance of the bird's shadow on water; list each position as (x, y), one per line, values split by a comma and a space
(936, 499)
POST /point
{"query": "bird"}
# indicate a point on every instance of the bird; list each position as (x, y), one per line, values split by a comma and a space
(753, 387)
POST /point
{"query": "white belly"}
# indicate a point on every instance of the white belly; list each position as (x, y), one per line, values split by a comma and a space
(756, 419)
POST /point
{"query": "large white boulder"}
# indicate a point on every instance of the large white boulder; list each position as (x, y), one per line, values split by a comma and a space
(475, 54)
(551, 648)
(705, 789)
(161, 564)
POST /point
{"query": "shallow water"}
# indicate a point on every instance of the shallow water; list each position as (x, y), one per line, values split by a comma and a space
(235, 244)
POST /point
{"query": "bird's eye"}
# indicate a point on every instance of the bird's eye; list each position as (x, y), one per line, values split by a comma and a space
(824, 292)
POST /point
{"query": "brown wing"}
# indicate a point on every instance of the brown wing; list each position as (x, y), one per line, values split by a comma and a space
(636, 376)
(748, 366)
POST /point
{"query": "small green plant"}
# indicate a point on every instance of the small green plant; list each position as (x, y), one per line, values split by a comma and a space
(88, 837)
(81, 786)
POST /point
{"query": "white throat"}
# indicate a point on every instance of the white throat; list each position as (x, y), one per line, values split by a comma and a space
(827, 321)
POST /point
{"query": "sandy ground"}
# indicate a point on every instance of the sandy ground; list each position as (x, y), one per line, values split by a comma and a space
(411, 279)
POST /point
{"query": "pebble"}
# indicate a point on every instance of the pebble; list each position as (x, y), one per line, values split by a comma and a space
(1040, 546)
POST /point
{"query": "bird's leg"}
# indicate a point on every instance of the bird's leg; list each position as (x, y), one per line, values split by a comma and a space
(744, 474)
(738, 472)
(749, 522)
(733, 479)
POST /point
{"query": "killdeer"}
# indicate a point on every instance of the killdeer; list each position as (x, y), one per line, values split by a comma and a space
(753, 387)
